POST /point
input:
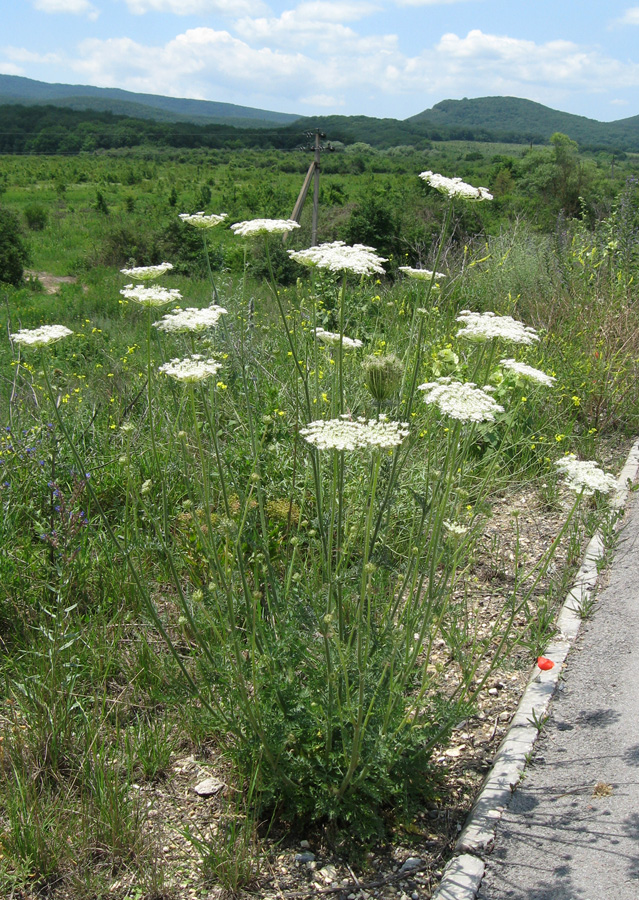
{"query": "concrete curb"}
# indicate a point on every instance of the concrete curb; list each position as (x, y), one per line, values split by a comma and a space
(463, 875)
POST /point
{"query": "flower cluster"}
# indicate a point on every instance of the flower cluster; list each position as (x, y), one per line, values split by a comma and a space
(200, 220)
(340, 257)
(526, 371)
(480, 327)
(585, 476)
(147, 273)
(455, 187)
(40, 337)
(191, 319)
(153, 295)
(330, 337)
(354, 434)
(255, 227)
(421, 274)
(461, 400)
(454, 527)
(192, 369)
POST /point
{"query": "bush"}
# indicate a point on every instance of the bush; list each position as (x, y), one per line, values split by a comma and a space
(14, 252)
(36, 216)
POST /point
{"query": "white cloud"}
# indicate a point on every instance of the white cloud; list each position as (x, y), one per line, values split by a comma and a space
(196, 7)
(630, 17)
(200, 62)
(74, 7)
(319, 25)
(499, 59)
(7, 68)
(21, 55)
(431, 2)
(321, 100)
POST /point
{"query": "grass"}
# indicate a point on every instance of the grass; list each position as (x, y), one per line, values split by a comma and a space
(205, 515)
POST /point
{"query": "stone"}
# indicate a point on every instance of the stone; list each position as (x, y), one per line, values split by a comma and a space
(413, 862)
(209, 787)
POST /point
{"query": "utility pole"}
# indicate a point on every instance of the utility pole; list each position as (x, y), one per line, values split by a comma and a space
(313, 174)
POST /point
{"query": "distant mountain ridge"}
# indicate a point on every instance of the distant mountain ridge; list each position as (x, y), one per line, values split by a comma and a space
(26, 91)
(502, 119)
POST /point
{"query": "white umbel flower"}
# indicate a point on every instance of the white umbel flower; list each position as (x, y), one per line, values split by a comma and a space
(421, 274)
(480, 327)
(40, 337)
(460, 400)
(330, 337)
(255, 227)
(200, 220)
(455, 187)
(526, 371)
(585, 476)
(454, 527)
(354, 434)
(147, 273)
(340, 257)
(193, 368)
(152, 295)
(191, 319)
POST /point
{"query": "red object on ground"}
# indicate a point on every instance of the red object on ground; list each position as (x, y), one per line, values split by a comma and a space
(545, 663)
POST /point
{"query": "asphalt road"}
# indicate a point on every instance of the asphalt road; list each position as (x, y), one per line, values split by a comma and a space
(571, 831)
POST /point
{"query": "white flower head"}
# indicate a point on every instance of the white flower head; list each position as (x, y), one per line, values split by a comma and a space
(40, 337)
(585, 475)
(461, 400)
(526, 371)
(421, 274)
(340, 257)
(455, 187)
(190, 320)
(330, 337)
(354, 434)
(147, 273)
(454, 527)
(193, 368)
(151, 295)
(255, 227)
(480, 327)
(200, 220)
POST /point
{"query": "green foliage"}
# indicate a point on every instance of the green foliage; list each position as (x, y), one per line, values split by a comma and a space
(14, 250)
(36, 216)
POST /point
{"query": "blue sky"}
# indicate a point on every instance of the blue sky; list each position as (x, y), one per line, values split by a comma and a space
(371, 57)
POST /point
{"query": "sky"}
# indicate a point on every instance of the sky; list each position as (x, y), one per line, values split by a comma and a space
(385, 58)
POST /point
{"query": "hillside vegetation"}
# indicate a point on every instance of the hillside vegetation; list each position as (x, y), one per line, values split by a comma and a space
(506, 119)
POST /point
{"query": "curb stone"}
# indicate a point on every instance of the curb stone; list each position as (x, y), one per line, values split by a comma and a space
(463, 875)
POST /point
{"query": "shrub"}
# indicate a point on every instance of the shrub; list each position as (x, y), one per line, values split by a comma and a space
(14, 251)
(36, 216)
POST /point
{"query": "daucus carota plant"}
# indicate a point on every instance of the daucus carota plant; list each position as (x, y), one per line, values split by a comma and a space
(315, 597)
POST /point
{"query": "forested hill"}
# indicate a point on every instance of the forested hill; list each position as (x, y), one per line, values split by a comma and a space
(26, 91)
(512, 118)
(59, 130)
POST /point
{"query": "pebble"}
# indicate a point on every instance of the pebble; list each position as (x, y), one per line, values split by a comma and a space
(209, 787)
(413, 862)
(305, 857)
(328, 874)
(304, 845)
